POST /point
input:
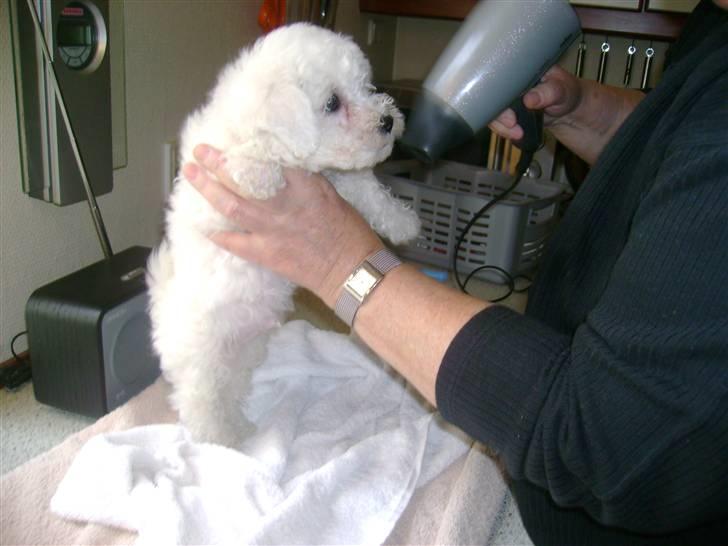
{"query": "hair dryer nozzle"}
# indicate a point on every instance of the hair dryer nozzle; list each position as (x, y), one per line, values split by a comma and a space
(433, 127)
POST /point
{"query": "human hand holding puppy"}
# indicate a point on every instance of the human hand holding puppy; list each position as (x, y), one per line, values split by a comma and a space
(310, 235)
(306, 233)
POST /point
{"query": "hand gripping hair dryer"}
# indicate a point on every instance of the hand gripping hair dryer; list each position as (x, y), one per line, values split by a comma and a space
(501, 50)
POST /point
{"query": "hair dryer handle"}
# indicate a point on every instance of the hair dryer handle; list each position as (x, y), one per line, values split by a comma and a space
(531, 121)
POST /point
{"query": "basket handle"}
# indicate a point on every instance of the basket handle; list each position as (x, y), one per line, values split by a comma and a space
(543, 226)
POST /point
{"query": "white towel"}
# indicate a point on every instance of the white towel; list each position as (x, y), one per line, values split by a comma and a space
(341, 446)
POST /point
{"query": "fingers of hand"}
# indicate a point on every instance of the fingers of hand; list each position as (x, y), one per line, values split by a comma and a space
(255, 248)
(211, 159)
(222, 199)
(507, 118)
(557, 93)
(235, 242)
(310, 191)
(295, 176)
(301, 182)
(508, 129)
(533, 99)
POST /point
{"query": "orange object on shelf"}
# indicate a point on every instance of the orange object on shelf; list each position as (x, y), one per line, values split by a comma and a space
(272, 15)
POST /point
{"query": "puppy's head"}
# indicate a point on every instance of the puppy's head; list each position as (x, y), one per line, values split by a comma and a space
(313, 104)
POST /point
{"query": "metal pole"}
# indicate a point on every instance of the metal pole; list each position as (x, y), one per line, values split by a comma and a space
(90, 197)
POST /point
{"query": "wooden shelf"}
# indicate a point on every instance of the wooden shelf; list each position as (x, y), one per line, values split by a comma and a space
(643, 24)
(452, 9)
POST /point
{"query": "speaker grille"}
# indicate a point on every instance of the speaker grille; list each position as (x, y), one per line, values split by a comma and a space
(129, 362)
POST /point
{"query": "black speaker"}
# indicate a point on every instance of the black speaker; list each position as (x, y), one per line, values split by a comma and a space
(89, 336)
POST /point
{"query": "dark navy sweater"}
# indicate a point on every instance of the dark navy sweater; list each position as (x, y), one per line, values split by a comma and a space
(608, 400)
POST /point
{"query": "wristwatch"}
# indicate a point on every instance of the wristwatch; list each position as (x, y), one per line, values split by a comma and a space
(362, 282)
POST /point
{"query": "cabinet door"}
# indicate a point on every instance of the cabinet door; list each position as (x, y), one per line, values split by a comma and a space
(676, 6)
(613, 4)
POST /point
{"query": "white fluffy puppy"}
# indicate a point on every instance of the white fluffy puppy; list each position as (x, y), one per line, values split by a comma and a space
(299, 97)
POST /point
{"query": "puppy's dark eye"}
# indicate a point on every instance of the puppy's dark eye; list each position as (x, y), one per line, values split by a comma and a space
(333, 104)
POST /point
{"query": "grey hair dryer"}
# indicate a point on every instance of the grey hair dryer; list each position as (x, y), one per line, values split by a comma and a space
(501, 50)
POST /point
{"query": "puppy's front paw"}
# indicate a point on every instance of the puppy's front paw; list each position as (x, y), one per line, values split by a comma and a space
(256, 179)
(404, 226)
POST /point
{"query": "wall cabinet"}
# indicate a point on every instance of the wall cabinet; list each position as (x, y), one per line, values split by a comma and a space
(675, 6)
(650, 19)
(610, 4)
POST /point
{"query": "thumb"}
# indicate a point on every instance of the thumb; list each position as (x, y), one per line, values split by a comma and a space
(533, 99)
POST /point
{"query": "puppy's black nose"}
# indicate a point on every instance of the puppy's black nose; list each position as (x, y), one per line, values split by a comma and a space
(386, 123)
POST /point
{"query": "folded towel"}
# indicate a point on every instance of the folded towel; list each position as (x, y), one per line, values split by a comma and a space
(342, 444)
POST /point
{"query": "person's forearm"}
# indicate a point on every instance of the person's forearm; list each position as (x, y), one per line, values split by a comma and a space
(410, 320)
(601, 112)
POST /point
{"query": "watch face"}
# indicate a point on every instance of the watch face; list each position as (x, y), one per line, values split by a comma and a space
(362, 282)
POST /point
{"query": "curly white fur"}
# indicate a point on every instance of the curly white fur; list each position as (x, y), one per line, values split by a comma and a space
(211, 311)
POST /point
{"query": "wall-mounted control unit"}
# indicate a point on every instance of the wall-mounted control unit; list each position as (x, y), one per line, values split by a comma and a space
(78, 39)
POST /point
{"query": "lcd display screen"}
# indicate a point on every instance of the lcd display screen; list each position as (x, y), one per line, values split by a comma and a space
(70, 34)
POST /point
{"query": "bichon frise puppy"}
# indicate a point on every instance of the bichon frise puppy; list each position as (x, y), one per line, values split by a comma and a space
(299, 97)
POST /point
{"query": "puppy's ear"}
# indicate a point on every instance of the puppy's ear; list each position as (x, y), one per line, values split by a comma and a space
(288, 124)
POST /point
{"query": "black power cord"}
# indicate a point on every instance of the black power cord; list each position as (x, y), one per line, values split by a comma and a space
(14, 375)
(510, 281)
(532, 124)
(16, 356)
(477, 216)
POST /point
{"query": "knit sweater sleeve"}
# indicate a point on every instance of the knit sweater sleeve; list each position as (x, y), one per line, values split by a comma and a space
(628, 416)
